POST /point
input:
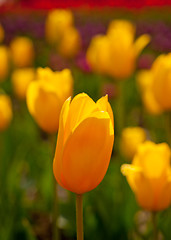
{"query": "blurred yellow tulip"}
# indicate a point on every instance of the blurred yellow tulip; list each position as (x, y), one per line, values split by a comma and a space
(57, 22)
(5, 111)
(149, 176)
(145, 84)
(131, 138)
(22, 52)
(84, 143)
(162, 81)
(4, 62)
(21, 79)
(70, 43)
(46, 95)
(1, 33)
(120, 51)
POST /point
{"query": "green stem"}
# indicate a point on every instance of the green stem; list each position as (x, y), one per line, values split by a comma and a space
(56, 235)
(168, 126)
(120, 108)
(154, 222)
(79, 216)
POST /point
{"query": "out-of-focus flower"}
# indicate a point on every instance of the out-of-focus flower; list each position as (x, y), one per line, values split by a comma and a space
(131, 138)
(4, 62)
(21, 79)
(162, 81)
(5, 111)
(145, 84)
(84, 143)
(22, 52)
(1, 33)
(70, 43)
(118, 50)
(149, 176)
(57, 22)
(46, 95)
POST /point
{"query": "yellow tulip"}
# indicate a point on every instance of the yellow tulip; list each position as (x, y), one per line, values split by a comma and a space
(4, 62)
(57, 22)
(21, 79)
(162, 81)
(70, 43)
(5, 111)
(1, 33)
(22, 52)
(46, 95)
(131, 138)
(145, 83)
(84, 143)
(118, 48)
(149, 176)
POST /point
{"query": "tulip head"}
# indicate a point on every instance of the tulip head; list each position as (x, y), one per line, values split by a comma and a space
(131, 138)
(145, 83)
(22, 52)
(21, 78)
(4, 62)
(162, 81)
(149, 176)
(46, 95)
(57, 22)
(84, 144)
(5, 111)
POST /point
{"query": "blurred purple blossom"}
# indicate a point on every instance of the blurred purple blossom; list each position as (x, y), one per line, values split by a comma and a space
(145, 61)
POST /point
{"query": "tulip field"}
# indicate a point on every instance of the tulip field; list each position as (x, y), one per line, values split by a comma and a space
(85, 124)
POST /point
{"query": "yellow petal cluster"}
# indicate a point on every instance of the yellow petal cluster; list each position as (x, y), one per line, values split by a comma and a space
(145, 84)
(118, 50)
(46, 95)
(5, 111)
(131, 138)
(22, 52)
(149, 176)
(162, 81)
(21, 78)
(60, 31)
(4, 62)
(84, 144)
(1, 33)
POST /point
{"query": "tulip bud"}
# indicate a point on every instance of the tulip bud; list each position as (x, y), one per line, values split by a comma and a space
(4, 63)
(21, 78)
(5, 111)
(84, 144)
(22, 52)
(131, 138)
(149, 176)
(46, 95)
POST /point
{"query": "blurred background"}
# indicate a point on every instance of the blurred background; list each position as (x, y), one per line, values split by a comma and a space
(26, 151)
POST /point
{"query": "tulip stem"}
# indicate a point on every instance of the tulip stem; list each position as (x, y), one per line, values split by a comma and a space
(168, 126)
(120, 107)
(56, 235)
(154, 222)
(79, 216)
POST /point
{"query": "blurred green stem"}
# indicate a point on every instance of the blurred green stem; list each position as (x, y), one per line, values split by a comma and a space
(79, 216)
(55, 212)
(120, 107)
(154, 222)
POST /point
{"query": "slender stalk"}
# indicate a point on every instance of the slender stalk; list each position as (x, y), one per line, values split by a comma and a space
(56, 235)
(120, 107)
(168, 126)
(79, 216)
(154, 222)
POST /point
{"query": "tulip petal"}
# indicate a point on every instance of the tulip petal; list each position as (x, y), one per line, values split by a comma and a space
(141, 42)
(87, 153)
(81, 107)
(104, 105)
(57, 164)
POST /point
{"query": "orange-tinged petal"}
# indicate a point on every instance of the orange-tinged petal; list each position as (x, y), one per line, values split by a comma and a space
(87, 153)
(141, 42)
(57, 163)
(165, 196)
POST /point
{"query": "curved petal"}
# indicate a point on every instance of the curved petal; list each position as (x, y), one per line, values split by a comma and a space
(57, 164)
(140, 43)
(87, 153)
